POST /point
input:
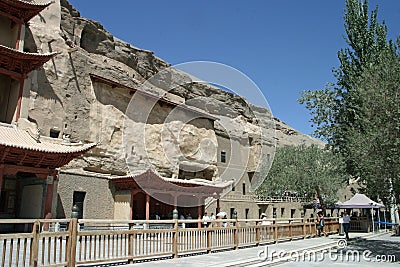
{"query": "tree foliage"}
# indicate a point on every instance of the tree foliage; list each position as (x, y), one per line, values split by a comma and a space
(308, 171)
(377, 145)
(359, 115)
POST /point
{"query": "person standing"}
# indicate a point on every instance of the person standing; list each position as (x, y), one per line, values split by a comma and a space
(182, 217)
(206, 220)
(264, 219)
(346, 224)
(320, 223)
(189, 217)
(225, 223)
(212, 218)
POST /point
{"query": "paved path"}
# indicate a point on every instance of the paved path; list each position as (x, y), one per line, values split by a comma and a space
(380, 250)
(267, 255)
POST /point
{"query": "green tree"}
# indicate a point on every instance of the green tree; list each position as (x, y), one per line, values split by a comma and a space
(307, 171)
(336, 107)
(377, 145)
(361, 106)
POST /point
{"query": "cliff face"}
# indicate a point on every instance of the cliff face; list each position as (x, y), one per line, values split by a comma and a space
(63, 97)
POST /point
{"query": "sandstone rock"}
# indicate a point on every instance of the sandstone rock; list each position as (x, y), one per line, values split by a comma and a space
(64, 96)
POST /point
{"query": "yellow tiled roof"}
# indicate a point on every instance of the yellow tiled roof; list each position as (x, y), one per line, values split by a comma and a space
(11, 136)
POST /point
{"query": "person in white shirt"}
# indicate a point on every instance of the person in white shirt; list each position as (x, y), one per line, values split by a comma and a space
(264, 219)
(206, 220)
(212, 217)
(182, 217)
(346, 224)
(224, 224)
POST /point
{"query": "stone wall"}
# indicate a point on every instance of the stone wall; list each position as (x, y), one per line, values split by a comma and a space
(98, 201)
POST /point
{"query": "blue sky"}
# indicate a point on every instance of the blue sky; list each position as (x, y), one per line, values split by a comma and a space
(283, 46)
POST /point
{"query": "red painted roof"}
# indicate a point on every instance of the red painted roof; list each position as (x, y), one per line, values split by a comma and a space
(17, 63)
(22, 10)
(150, 179)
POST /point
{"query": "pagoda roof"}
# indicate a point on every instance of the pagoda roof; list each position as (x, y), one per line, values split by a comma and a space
(22, 10)
(151, 180)
(20, 147)
(18, 64)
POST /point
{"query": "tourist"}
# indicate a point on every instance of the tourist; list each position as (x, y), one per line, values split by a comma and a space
(182, 217)
(346, 224)
(189, 217)
(212, 218)
(206, 220)
(320, 223)
(264, 220)
(225, 223)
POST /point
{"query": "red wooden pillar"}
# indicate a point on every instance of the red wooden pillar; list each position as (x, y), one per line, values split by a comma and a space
(147, 207)
(48, 201)
(1, 176)
(199, 211)
(20, 37)
(49, 197)
(19, 102)
(131, 205)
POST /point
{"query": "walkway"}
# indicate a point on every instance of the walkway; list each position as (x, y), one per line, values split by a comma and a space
(257, 256)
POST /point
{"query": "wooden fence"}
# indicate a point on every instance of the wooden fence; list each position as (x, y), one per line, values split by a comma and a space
(360, 224)
(70, 242)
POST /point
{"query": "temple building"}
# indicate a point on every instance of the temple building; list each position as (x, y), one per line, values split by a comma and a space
(34, 149)
(78, 128)
(157, 164)
(29, 162)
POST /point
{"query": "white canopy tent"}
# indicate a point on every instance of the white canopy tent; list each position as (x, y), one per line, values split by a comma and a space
(361, 201)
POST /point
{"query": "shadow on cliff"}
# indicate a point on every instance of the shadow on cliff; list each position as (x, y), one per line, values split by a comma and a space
(44, 88)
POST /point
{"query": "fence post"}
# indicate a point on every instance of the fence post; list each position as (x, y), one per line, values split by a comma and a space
(258, 235)
(73, 235)
(275, 232)
(209, 240)
(313, 226)
(175, 240)
(130, 244)
(35, 244)
(327, 227)
(304, 227)
(236, 235)
(290, 230)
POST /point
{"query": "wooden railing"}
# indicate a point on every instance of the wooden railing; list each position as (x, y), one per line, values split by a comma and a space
(35, 243)
(278, 199)
(360, 224)
(70, 242)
